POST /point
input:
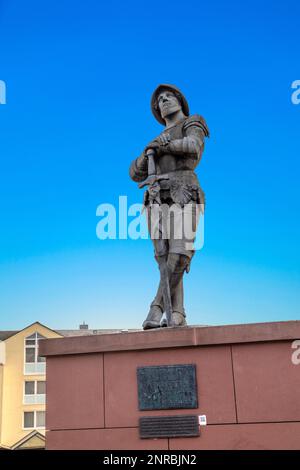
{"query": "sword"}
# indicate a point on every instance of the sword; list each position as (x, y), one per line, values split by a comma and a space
(152, 178)
(151, 181)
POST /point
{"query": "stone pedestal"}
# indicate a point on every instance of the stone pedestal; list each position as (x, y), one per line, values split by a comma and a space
(248, 387)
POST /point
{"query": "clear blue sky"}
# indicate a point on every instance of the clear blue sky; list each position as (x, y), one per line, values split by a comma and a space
(79, 78)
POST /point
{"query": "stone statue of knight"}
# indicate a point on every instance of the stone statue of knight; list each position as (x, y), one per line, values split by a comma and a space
(177, 151)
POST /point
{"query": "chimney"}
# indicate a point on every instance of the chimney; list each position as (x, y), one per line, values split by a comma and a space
(83, 326)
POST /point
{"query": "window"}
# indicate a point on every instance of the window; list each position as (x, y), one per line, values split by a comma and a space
(30, 355)
(34, 419)
(29, 419)
(41, 387)
(40, 419)
(34, 364)
(35, 392)
(29, 388)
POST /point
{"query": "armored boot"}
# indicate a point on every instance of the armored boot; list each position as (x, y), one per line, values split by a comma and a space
(179, 316)
(178, 319)
(154, 317)
(178, 264)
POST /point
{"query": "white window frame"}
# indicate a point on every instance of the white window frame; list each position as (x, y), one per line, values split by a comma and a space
(34, 419)
(35, 364)
(36, 396)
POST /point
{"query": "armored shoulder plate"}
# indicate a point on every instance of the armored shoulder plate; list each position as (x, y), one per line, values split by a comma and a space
(198, 121)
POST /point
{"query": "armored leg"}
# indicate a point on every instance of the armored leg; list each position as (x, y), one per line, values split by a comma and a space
(179, 254)
(177, 304)
(177, 264)
(157, 306)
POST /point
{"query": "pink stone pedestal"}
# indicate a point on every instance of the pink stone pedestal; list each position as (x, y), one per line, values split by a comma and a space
(248, 387)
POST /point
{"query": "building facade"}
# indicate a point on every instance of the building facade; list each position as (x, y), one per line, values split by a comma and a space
(23, 387)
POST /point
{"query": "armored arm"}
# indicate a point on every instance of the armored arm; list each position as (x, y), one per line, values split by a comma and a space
(138, 170)
(192, 144)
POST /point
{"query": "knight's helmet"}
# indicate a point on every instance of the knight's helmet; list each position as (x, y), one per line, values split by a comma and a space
(177, 93)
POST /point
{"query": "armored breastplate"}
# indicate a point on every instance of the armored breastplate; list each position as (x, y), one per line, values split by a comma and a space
(168, 162)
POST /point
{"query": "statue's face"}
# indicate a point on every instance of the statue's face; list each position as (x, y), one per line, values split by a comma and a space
(168, 103)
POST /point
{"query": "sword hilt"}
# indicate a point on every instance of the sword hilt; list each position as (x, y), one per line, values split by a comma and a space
(150, 153)
(152, 177)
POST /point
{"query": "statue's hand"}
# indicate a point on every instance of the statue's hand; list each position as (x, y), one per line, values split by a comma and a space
(154, 145)
(159, 144)
(164, 139)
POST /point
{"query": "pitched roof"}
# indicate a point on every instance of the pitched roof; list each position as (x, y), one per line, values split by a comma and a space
(7, 334)
(33, 440)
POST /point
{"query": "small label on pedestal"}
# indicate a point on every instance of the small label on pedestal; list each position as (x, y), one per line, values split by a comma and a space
(202, 420)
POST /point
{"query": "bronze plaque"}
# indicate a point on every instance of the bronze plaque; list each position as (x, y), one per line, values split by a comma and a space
(167, 387)
(169, 426)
